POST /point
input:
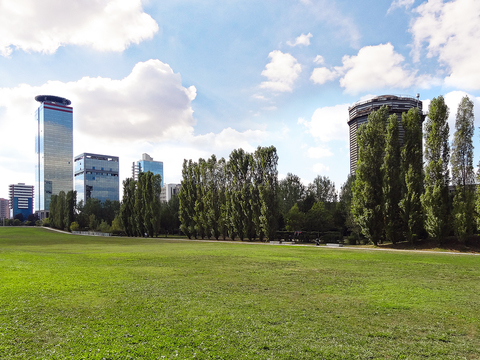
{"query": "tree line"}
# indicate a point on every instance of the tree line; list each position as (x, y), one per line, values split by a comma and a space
(396, 197)
(142, 213)
(235, 198)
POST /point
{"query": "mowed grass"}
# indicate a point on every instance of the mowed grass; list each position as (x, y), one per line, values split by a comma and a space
(79, 297)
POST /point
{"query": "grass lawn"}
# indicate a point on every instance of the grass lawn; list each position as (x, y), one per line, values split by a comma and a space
(80, 297)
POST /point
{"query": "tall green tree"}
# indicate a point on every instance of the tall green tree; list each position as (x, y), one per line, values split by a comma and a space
(60, 215)
(391, 181)
(318, 218)
(344, 206)
(295, 219)
(267, 160)
(187, 198)
(53, 211)
(463, 175)
(290, 191)
(435, 199)
(127, 208)
(323, 189)
(412, 175)
(70, 208)
(212, 199)
(367, 202)
(201, 203)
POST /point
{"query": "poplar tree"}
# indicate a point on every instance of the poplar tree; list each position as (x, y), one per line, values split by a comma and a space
(435, 200)
(267, 161)
(463, 176)
(367, 202)
(412, 175)
(200, 214)
(391, 181)
(138, 209)
(70, 206)
(212, 197)
(187, 197)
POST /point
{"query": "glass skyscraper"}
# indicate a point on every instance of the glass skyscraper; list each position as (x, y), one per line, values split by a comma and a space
(96, 177)
(147, 164)
(54, 149)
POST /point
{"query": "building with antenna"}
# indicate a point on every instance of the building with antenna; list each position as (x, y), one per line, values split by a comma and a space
(358, 115)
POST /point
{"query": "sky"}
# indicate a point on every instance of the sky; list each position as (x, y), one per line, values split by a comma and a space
(185, 79)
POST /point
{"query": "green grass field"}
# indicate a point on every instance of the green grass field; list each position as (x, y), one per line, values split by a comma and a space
(79, 297)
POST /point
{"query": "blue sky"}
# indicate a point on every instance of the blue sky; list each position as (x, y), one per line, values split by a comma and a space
(187, 79)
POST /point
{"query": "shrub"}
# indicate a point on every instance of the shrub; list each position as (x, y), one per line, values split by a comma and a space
(74, 226)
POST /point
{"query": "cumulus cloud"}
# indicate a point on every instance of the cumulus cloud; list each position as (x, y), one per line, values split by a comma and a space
(281, 72)
(44, 26)
(328, 123)
(451, 31)
(396, 4)
(322, 75)
(303, 39)
(375, 67)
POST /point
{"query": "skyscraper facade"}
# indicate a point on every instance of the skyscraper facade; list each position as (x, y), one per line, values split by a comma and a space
(96, 177)
(54, 149)
(358, 115)
(21, 199)
(147, 164)
(4, 209)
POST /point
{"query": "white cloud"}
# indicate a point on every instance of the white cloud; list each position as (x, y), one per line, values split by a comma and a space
(375, 67)
(322, 75)
(319, 60)
(320, 168)
(328, 123)
(281, 72)
(44, 26)
(396, 4)
(319, 152)
(303, 39)
(451, 31)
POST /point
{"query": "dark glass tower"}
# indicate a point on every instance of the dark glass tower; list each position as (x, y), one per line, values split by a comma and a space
(54, 149)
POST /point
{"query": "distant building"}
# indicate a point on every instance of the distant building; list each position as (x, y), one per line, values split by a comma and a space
(54, 149)
(168, 191)
(21, 199)
(147, 164)
(358, 115)
(4, 209)
(96, 177)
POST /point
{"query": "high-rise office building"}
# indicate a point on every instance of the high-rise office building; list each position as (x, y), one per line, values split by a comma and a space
(54, 149)
(358, 115)
(147, 164)
(4, 209)
(96, 177)
(21, 199)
